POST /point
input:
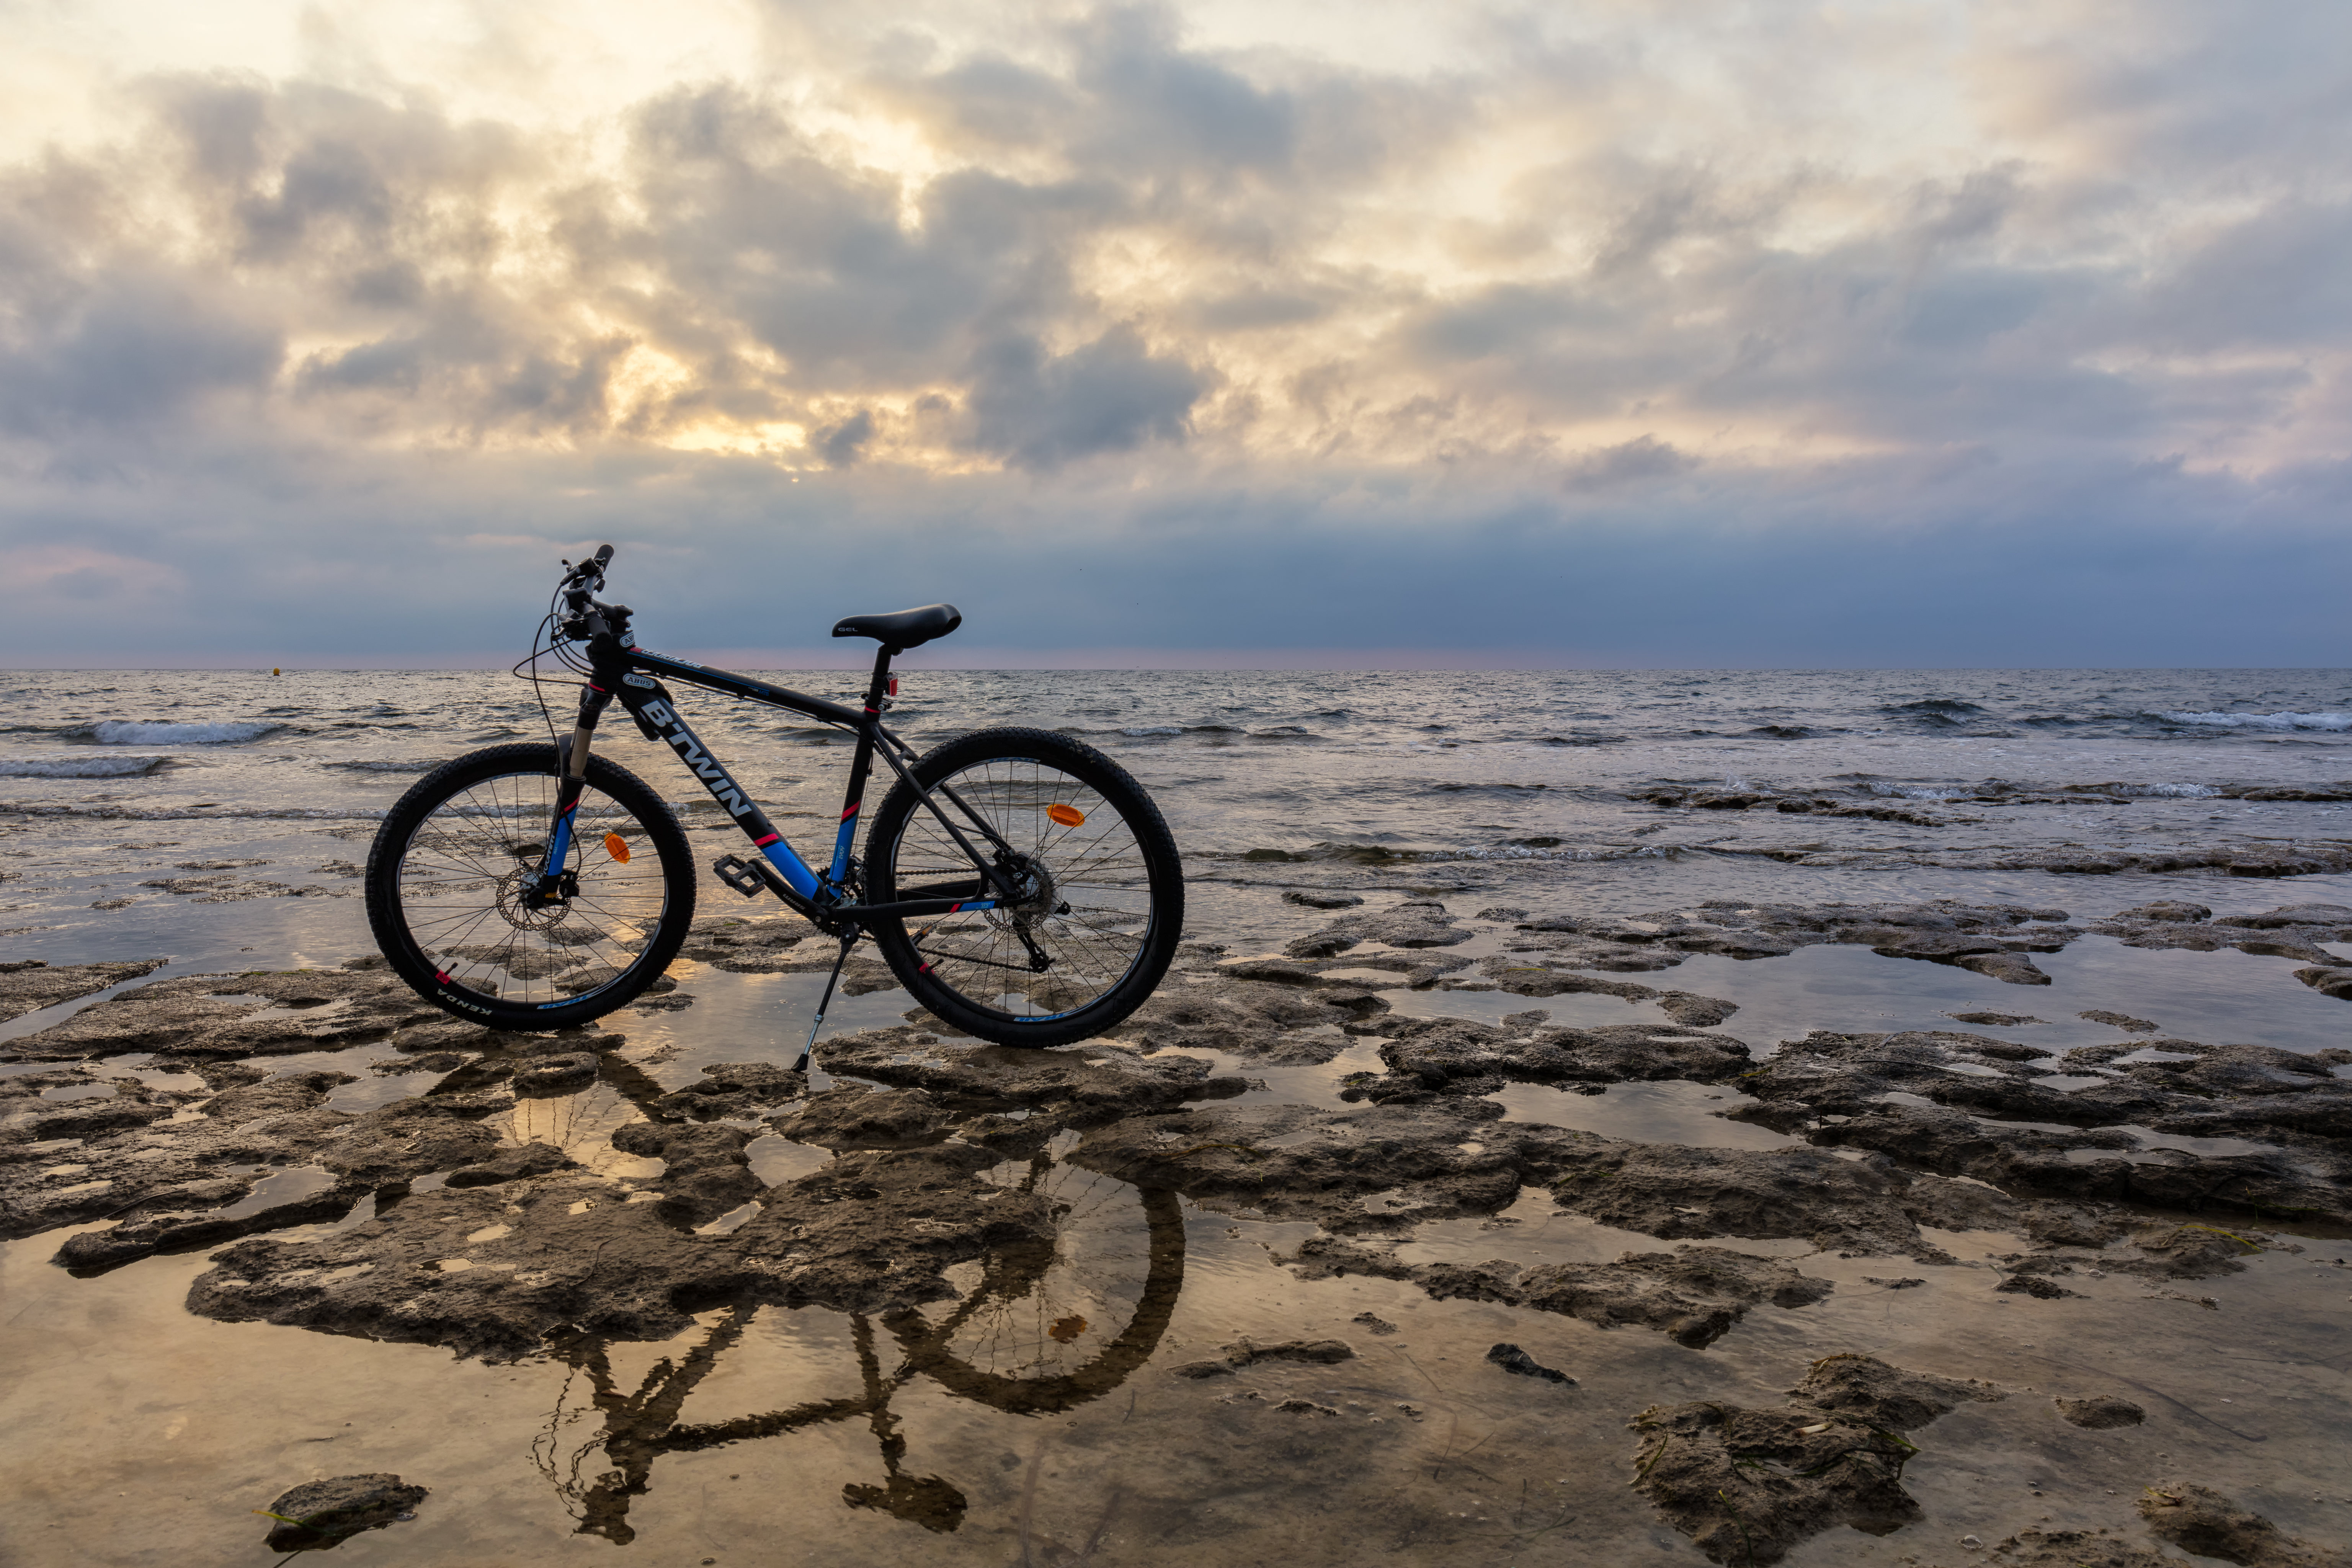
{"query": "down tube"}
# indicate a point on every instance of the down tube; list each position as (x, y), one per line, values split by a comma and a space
(729, 796)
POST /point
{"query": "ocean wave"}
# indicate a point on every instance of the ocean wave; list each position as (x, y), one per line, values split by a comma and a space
(1933, 707)
(1582, 740)
(2149, 791)
(2338, 722)
(1922, 791)
(137, 733)
(1140, 730)
(383, 765)
(79, 767)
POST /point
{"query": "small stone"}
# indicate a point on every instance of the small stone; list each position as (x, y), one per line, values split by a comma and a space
(1511, 1358)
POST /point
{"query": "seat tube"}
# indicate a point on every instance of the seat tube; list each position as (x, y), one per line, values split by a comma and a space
(878, 691)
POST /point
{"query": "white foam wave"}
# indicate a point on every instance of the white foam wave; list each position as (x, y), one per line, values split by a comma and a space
(382, 766)
(77, 767)
(136, 733)
(2161, 791)
(2338, 722)
(1140, 731)
(1923, 792)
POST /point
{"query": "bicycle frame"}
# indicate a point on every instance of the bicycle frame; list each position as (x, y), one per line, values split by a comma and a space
(632, 674)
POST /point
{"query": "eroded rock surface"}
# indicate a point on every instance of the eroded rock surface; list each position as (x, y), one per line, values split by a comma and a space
(1747, 1485)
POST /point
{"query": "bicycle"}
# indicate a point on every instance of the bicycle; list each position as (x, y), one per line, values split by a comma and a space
(1020, 884)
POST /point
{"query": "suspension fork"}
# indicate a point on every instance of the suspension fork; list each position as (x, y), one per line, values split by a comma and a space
(572, 780)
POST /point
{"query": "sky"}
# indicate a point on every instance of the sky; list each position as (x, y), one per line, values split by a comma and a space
(1677, 333)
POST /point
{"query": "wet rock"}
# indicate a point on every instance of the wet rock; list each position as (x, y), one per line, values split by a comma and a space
(1415, 922)
(1378, 1167)
(1374, 1323)
(750, 944)
(491, 1271)
(708, 1173)
(2074, 1549)
(1224, 1012)
(320, 1514)
(2172, 912)
(2035, 1286)
(850, 1117)
(1892, 1284)
(2123, 1021)
(1693, 1297)
(29, 985)
(287, 1091)
(1512, 1359)
(1868, 1389)
(513, 1166)
(2336, 982)
(1098, 1079)
(1747, 1485)
(1313, 899)
(1246, 1354)
(1512, 972)
(1869, 1206)
(93, 1251)
(732, 1090)
(197, 1017)
(1451, 1056)
(1305, 1407)
(1994, 1020)
(2194, 1251)
(1989, 937)
(2293, 931)
(564, 1073)
(2200, 1520)
(431, 1061)
(409, 1138)
(2101, 1412)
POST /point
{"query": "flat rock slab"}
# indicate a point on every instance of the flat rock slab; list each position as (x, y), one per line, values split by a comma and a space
(1097, 1078)
(29, 985)
(1693, 1297)
(1453, 1056)
(491, 1271)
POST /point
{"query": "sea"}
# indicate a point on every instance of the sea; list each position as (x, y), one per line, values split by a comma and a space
(223, 816)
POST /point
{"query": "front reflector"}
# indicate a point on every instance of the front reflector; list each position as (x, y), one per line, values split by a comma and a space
(1067, 815)
(617, 847)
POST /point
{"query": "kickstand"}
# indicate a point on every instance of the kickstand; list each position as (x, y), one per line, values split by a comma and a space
(826, 1001)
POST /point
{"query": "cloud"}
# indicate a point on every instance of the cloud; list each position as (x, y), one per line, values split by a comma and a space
(1516, 297)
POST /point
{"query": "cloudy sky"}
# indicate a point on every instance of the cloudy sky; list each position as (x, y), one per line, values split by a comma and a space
(1648, 333)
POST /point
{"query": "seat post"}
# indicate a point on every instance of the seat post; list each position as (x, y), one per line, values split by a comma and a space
(879, 687)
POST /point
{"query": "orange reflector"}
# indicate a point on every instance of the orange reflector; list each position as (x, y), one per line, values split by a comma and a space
(1067, 815)
(617, 847)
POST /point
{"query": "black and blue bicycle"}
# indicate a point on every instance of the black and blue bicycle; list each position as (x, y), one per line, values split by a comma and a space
(1019, 883)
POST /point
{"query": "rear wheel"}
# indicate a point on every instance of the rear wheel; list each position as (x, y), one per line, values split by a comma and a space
(452, 858)
(1101, 889)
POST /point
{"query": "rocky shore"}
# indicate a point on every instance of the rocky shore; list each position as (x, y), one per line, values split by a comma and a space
(425, 1189)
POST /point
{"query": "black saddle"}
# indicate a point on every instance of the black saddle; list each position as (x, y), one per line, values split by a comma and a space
(902, 629)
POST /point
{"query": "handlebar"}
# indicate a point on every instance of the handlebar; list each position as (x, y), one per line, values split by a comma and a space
(588, 617)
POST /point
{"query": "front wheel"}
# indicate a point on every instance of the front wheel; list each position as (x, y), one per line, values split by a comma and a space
(450, 865)
(1101, 889)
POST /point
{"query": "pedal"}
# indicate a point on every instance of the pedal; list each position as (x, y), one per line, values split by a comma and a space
(745, 879)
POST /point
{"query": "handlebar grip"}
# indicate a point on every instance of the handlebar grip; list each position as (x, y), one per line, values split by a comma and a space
(604, 556)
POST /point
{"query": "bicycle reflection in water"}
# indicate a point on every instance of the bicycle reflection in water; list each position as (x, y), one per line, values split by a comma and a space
(1032, 1335)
